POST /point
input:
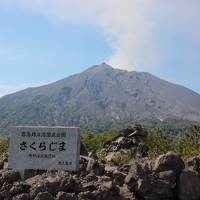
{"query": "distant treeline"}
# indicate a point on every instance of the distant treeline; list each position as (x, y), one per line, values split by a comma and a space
(167, 126)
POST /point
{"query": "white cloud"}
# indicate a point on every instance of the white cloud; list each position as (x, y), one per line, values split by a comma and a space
(133, 28)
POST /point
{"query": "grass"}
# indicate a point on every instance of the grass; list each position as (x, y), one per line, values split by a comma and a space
(4, 144)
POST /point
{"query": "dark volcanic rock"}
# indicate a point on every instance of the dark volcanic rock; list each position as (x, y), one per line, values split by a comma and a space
(24, 196)
(70, 185)
(131, 182)
(44, 196)
(86, 195)
(193, 164)
(89, 186)
(83, 150)
(36, 189)
(125, 168)
(98, 169)
(19, 188)
(133, 139)
(138, 170)
(118, 178)
(168, 176)
(1, 164)
(66, 196)
(5, 195)
(3, 160)
(9, 176)
(169, 161)
(148, 184)
(144, 179)
(153, 188)
(189, 186)
(141, 167)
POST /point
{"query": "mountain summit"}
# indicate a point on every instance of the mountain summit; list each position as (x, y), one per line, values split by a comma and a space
(102, 66)
(99, 95)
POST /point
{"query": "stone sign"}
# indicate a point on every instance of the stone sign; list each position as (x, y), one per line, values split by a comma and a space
(45, 148)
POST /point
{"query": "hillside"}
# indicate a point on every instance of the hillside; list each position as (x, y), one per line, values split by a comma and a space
(100, 96)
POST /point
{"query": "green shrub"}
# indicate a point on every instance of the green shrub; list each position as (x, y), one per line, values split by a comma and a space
(4, 144)
(160, 144)
(95, 141)
(187, 145)
(101, 156)
(123, 157)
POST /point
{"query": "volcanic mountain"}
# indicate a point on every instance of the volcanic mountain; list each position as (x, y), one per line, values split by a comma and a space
(99, 96)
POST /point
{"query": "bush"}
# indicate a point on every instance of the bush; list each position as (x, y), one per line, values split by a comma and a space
(4, 144)
(123, 157)
(160, 144)
(94, 142)
(187, 144)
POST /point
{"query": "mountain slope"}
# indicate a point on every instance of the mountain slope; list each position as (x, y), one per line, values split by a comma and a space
(99, 95)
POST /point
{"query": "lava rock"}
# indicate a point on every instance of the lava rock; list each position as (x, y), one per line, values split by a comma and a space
(24, 196)
(168, 176)
(118, 178)
(89, 186)
(5, 195)
(66, 196)
(193, 164)
(189, 186)
(169, 161)
(131, 181)
(9, 176)
(152, 187)
(44, 196)
(86, 195)
(70, 185)
(83, 150)
(133, 138)
(19, 188)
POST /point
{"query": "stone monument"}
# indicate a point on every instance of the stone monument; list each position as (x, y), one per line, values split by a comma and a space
(44, 148)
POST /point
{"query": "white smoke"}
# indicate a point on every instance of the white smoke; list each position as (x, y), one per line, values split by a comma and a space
(133, 28)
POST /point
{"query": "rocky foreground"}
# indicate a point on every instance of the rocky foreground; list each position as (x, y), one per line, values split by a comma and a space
(165, 178)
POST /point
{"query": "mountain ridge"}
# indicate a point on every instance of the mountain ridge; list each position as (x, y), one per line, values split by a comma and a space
(100, 94)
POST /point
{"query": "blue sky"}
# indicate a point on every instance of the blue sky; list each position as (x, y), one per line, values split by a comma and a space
(44, 41)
